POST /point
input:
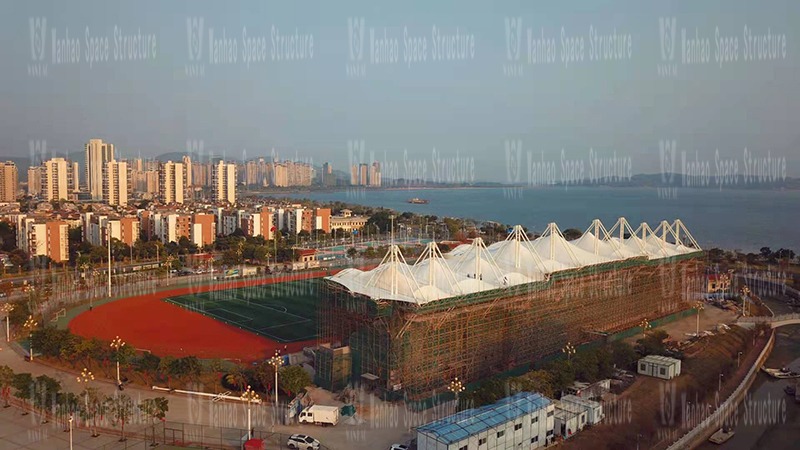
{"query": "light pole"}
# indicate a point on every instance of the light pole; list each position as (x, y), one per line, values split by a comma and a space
(85, 377)
(569, 350)
(737, 359)
(745, 297)
(117, 344)
(719, 389)
(70, 432)
(699, 307)
(109, 259)
(645, 324)
(30, 324)
(7, 308)
(276, 362)
(249, 396)
(456, 387)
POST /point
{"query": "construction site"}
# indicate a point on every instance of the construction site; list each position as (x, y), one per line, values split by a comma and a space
(408, 330)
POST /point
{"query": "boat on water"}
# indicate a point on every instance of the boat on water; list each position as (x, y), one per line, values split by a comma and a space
(721, 436)
(782, 373)
(418, 201)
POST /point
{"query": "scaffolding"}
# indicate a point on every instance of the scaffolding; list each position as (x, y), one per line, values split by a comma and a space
(503, 307)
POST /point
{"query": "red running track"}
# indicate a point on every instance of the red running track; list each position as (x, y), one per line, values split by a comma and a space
(147, 322)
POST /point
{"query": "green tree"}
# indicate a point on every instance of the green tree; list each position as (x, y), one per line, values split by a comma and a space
(6, 380)
(236, 377)
(624, 356)
(92, 404)
(23, 387)
(352, 252)
(293, 379)
(215, 367)
(264, 373)
(165, 367)
(571, 234)
(120, 408)
(154, 409)
(540, 381)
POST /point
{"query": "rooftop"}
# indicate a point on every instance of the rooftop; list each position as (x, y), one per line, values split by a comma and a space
(470, 422)
(475, 267)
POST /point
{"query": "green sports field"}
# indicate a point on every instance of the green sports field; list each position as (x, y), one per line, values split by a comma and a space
(284, 312)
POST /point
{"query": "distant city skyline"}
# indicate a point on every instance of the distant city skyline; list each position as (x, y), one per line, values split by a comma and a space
(508, 101)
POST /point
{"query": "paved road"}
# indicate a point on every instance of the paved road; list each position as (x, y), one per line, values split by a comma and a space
(391, 427)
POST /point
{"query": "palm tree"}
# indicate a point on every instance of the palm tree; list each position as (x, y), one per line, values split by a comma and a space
(237, 378)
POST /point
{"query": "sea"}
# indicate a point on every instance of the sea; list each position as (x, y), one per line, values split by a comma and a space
(745, 220)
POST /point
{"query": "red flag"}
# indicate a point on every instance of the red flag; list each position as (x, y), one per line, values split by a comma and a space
(272, 229)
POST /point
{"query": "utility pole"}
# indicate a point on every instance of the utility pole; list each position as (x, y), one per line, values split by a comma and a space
(109, 258)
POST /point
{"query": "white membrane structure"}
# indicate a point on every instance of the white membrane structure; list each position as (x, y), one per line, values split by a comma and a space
(474, 267)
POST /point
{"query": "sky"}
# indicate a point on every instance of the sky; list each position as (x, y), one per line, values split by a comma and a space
(496, 110)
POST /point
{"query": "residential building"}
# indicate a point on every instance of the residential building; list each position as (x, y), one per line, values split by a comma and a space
(35, 181)
(172, 179)
(39, 236)
(130, 230)
(9, 181)
(173, 227)
(294, 220)
(98, 154)
(307, 222)
(363, 173)
(524, 420)
(203, 230)
(267, 223)
(115, 183)
(223, 182)
(375, 174)
(250, 223)
(322, 219)
(354, 175)
(187, 172)
(280, 175)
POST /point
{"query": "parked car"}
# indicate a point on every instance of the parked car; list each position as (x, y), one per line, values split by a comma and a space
(302, 442)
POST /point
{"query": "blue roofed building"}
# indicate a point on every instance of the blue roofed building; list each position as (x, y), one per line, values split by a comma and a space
(522, 421)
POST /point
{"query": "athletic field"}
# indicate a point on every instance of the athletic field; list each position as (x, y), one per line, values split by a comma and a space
(284, 312)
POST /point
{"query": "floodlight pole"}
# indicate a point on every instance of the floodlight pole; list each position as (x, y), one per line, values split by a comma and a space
(109, 257)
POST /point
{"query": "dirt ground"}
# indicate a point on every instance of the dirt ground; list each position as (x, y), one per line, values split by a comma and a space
(653, 412)
(709, 317)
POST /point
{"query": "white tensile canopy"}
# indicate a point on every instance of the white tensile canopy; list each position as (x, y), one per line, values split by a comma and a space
(471, 268)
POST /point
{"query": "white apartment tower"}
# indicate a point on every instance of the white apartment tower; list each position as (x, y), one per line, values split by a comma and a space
(58, 179)
(223, 183)
(172, 179)
(115, 183)
(98, 154)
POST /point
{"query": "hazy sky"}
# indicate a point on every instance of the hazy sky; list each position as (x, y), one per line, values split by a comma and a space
(478, 106)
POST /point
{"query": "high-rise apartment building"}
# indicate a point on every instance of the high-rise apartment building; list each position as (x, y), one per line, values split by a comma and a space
(9, 180)
(115, 183)
(172, 179)
(34, 181)
(187, 172)
(58, 179)
(375, 174)
(223, 183)
(98, 154)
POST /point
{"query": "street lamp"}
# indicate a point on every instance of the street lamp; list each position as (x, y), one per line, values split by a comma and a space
(745, 296)
(456, 387)
(30, 324)
(276, 362)
(569, 350)
(117, 344)
(7, 308)
(645, 324)
(70, 432)
(699, 306)
(249, 396)
(85, 377)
